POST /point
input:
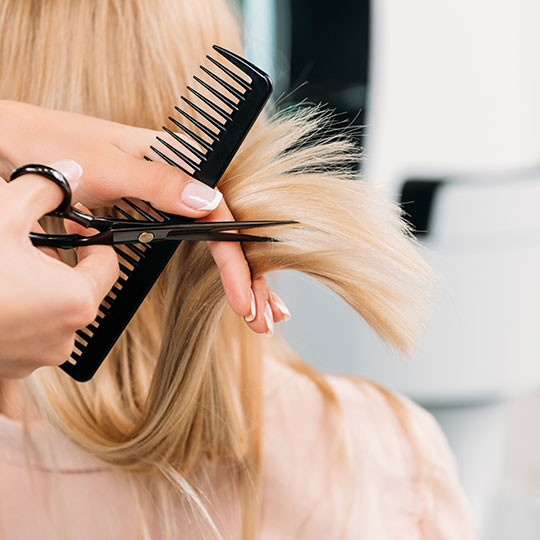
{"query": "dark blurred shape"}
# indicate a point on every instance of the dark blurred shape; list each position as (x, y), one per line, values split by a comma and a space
(329, 48)
(417, 199)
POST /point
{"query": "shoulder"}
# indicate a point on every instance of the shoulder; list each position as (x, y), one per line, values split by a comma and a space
(394, 418)
(400, 464)
(380, 421)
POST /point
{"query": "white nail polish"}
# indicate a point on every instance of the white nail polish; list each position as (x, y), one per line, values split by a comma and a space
(71, 170)
(212, 205)
(269, 319)
(278, 302)
(201, 197)
(253, 313)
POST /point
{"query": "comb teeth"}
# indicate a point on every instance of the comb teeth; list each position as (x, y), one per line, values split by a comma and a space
(185, 144)
(225, 84)
(231, 74)
(124, 269)
(131, 260)
(201, 126)
(139, 210)
(211, 135)
(161, 214)
(193, 135)
(204, 114)
(124, 213)
(189, 161)
(135, 249)
(218, 94)
(211, 104)
(213, 115)
(168, 160)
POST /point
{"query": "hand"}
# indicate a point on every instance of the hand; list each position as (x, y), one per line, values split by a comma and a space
(111, 157)
(44, 301)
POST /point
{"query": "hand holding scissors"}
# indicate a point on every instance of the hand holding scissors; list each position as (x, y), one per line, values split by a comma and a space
(130, 230)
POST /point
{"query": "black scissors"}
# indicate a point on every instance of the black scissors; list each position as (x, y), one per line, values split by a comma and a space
(130, 231)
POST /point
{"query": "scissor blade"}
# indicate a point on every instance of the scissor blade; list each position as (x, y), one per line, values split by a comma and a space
(197, 226)
(157, 232)
(218, 237)
(233, 225)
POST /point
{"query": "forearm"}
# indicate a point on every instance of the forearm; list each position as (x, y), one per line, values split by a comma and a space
(6, 112)
(24, 131)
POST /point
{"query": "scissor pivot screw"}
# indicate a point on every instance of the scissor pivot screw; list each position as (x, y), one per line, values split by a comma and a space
(146, 237)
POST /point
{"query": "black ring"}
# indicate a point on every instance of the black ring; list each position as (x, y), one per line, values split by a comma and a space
(52, 174)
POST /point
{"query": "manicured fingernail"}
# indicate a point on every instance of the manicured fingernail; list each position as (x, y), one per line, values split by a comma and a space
(70, 169)
(199, 196)
(269, 319)
(253, 313)
(278, 302)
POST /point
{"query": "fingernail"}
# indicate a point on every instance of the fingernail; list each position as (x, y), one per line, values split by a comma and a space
(200, 196)
(70, 169)
(269, 318)
(278, 302)
(253, 313)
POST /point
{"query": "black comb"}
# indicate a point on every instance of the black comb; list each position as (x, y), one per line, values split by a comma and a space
(217, 121)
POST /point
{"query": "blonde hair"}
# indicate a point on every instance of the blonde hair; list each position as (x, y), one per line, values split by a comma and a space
(183, 384)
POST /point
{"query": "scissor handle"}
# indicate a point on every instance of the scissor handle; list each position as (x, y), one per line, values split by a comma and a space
(64, 208)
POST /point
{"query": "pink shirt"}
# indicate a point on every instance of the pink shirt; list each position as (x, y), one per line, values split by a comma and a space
(384, 499)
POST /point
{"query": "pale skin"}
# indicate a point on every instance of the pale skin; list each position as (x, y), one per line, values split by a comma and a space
(44, 301)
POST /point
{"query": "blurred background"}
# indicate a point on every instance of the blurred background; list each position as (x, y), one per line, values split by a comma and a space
(448, 94)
